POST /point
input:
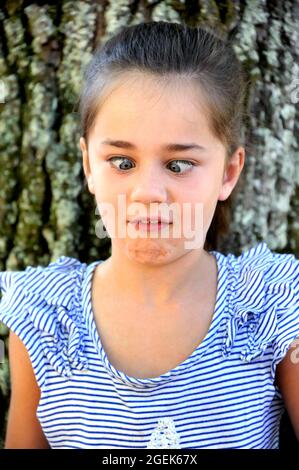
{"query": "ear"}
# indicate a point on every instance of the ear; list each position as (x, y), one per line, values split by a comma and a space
(231, 173)
(86, 165)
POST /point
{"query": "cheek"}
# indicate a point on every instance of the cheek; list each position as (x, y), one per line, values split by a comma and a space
(110, 202)
(203, 195)
(107, 184)
(102, 182)
(203, 190)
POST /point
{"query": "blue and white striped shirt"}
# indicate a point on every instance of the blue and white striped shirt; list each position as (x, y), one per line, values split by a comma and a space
(222, 396)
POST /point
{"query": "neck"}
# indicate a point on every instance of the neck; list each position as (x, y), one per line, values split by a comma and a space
(156, 286)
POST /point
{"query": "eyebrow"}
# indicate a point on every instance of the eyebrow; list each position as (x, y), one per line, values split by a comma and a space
(170, 147)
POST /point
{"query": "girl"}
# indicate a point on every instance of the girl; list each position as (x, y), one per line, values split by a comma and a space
(162, 345)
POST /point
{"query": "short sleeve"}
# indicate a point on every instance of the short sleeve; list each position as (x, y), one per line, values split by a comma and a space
(285, 287)
(42, 306)
(14, 314)
(263, 301)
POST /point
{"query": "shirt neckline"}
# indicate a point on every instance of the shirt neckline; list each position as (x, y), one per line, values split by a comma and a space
(180, 368)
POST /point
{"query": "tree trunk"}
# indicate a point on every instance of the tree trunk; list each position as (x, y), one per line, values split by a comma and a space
(45, 207)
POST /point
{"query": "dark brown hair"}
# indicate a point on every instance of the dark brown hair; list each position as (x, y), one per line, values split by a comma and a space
(165, 50)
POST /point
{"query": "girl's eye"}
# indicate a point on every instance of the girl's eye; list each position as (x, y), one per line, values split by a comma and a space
(184, 162)
(173, 164)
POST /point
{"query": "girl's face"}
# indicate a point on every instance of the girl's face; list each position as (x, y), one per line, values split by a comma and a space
(142, 116)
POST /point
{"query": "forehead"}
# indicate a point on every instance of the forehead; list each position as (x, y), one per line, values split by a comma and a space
(153, 107)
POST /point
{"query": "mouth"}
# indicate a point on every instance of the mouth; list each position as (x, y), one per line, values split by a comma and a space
(148, 224)
(150, 220)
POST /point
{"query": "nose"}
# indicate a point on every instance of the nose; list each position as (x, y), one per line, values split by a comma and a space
(149, 186)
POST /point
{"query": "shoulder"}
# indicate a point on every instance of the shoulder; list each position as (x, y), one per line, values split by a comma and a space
(263, 300)
(54, 284)
(42, 305)
(33, 277)
(261, 258)
(261, 270)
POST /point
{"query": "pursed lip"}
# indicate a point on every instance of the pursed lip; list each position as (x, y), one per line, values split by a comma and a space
(149, 220)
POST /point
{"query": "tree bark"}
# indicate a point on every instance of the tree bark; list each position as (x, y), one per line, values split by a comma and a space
(45, 208)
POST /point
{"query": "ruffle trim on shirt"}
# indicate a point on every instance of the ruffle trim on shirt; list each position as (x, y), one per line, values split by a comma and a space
(52, 303)
(261, 292)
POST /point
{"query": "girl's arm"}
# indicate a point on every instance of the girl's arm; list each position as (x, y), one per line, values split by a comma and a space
(287, 379)
(23, 428)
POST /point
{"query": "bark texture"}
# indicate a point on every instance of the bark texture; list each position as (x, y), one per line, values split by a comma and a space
(45, 207)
